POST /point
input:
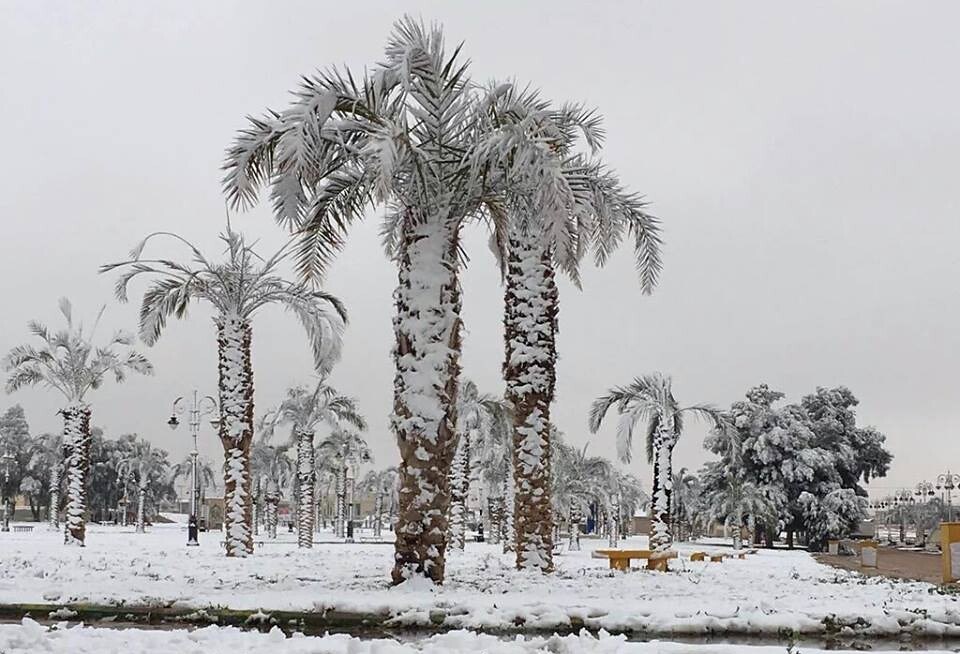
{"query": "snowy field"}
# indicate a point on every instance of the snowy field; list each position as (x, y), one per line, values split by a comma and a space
(30, 637)
(768, 593)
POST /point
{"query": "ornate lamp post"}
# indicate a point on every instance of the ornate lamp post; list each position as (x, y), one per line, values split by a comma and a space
(947, 482)
(7, 460)
(198, 408)
(902, 499)
(924, 492)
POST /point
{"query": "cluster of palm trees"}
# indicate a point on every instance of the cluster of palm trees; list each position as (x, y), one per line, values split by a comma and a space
(414, 135)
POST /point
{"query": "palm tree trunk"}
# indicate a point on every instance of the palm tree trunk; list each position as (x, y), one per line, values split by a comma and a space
(272, 511)
(507, 505)
(378, 511)
(341, 508)
(613, 535)
(236, 431)
(305, 500)
(660, 537)
(76, 438)
(141, 504)
(53, 514)
(459, 478)
(257, 506)
(427, 361)
(495, 518)
(574, 543)
(531, 306)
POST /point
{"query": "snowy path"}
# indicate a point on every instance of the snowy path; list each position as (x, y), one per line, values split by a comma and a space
(770, 592)
(30, 638)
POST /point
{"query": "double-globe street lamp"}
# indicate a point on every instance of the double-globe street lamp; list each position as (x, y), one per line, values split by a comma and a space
(924, 491)
(947, 482)
(197, 409)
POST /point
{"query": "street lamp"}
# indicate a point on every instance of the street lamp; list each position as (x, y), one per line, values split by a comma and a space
(198, 408)
(7, 459)
(947, 482)
(925, 491)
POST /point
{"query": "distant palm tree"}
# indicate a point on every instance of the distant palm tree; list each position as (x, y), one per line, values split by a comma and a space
(273, 467)
(69, 362)
(578, 481)
(650, 400)
(237, 289)
(383, 485)
(344, 449)
(48, 455)
(206, 476)
(306, 411)
(142, 464)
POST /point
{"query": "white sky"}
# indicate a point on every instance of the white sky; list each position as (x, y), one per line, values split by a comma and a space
(803, 158)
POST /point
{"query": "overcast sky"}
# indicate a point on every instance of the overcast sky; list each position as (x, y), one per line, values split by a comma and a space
(803, 158)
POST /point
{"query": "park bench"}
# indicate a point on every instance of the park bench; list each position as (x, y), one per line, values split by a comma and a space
(22, 528)
(256, 543)
(620, 559)
(718, 558)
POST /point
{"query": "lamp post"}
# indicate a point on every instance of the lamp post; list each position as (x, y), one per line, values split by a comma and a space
(902, 498)
(947, 482)
(197, 408)
(924, 491)
(7, 459)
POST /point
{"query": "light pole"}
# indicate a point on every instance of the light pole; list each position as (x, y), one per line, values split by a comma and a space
(902, 498)
(924, 491)
(947, 482)
(7, 460)
(198, 408)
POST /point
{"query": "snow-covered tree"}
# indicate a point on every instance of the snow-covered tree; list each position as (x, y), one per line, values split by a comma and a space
(274, 472)
(344, 450)
(143, 465)
(237, 289)
(46, 465)
(307, 410)
(69, 362)
(382, 484)
(649, 400)
(412, 136)
(577, 482)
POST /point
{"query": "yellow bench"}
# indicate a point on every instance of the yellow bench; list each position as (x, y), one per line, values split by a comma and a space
(620, 559)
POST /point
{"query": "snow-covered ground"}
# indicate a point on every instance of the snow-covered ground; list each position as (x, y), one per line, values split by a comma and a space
(30, 637)
(768, 593)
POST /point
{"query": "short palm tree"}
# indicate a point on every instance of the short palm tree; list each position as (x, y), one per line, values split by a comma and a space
(686, 502)
(69, 362)
(206, 476)
(306, 410)
(412, 136)
(382, 484)
(275, 472)
(143, 465)
(237, 289)
(48, 455)
(345, 450)
(650, 400)
(578, 480)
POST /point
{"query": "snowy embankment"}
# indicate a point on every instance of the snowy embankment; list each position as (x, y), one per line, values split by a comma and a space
(771, 592)
(30, 637)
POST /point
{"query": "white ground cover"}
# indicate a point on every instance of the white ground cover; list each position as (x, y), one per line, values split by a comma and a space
(31, 637)
(769, 592)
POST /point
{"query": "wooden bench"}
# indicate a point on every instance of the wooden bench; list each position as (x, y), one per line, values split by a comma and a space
(620, 559)
(22, 528)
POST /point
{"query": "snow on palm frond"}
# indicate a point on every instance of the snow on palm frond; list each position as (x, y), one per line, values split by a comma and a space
(239, 286)
(69, 361)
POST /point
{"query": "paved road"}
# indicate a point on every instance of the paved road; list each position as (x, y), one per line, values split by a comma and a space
(920, 566)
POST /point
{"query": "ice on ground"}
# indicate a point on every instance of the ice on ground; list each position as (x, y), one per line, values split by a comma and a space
(769, 592)
(31, 637)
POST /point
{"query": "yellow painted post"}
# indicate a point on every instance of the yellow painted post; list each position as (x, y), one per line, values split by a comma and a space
(950, 550)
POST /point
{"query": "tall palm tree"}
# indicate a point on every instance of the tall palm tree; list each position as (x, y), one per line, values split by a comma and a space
(411, 136)
(649, 399)
(382, 484)
(306, 411)
(142, 464)
(237, 289)
(69, 362)
(544, 237)
(346, 450)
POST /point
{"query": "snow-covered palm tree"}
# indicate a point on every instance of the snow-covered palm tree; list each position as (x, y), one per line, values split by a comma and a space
(306, 410)
(382, 484)
(183, 471)
(649, 400)
(345, 450)
(69, 362)
(237, 288)
(412, 136)
(686, 501)
(275, 472)
(48, 455)
(142, 464)
(545, 236)
(578, 480)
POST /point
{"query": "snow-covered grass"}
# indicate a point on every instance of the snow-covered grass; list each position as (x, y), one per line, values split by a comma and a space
(768, 593)
(30, 637)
